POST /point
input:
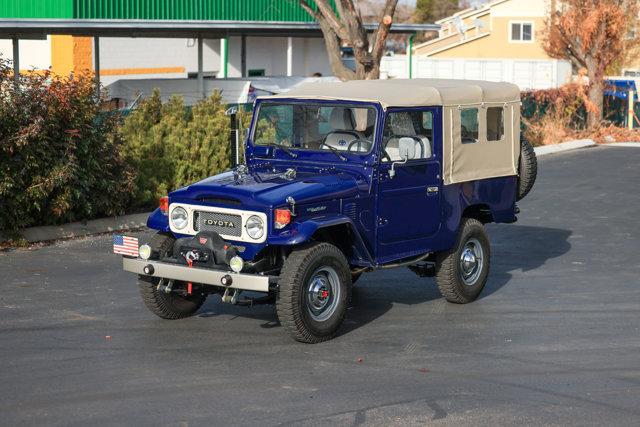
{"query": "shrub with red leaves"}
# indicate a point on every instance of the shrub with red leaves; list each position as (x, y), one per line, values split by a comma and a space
(60, 159)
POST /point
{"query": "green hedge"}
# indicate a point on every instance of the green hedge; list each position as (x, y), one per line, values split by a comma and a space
(170, 146)
(62, 159)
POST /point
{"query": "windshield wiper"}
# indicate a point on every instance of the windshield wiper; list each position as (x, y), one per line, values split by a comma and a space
(285, 149)
(334, 151)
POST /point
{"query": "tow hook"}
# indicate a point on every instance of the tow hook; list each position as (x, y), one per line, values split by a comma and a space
(166, 288)
(231, 295)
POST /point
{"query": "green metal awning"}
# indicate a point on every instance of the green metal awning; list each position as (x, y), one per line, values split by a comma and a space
(35, 28)
(165, 18)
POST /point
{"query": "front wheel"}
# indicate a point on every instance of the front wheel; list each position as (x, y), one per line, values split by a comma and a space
(462, 272)
(171, 305)
(314, 290)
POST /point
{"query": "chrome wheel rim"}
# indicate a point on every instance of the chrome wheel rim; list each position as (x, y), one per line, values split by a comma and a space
(323, 293)
(471, 262)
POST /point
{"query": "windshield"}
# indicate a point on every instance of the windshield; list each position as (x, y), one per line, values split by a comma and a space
(322, 127)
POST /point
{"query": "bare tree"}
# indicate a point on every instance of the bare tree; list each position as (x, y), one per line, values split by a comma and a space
(346, 27)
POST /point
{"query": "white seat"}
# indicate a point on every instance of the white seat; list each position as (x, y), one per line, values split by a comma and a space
(402, 125)
(343, 123)
(393, 149)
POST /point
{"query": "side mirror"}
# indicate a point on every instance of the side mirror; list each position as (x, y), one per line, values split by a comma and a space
(407, 148)
(407, 151)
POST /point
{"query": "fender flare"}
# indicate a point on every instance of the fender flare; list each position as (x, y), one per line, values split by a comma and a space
(303, 231)
(158, 221)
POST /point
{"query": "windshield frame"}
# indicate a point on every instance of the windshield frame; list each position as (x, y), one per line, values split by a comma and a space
(314, 154)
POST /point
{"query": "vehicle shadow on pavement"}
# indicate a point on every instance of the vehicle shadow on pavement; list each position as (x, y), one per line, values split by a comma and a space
(514, 248)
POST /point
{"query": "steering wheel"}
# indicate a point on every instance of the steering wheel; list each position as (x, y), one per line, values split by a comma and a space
(357, 141)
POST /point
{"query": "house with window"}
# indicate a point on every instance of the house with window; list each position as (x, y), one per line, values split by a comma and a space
(507, 29)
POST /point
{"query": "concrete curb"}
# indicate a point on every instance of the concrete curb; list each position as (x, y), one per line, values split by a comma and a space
(623, 144)
(563, 146)
(78, 229)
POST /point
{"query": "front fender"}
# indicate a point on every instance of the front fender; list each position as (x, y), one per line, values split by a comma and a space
(158, 221)
(302, 231)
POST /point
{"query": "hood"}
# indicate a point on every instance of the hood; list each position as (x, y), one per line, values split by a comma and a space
(269, 187)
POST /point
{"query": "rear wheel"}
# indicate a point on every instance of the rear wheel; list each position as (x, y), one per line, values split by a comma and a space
(462, 272)
(314, 290)
(167, 305)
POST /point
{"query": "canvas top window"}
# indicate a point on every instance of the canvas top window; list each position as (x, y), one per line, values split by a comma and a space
(469, 125)
(319, 127)
(521, 32)
(495, 123)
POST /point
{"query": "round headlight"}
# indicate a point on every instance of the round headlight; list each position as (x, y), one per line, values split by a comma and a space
(179, 218)
(144, 251)
(255, 227)
(236, 263)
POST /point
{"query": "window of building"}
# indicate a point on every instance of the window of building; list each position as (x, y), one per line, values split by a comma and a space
(521, 31)
(469, 125)
(495, 123)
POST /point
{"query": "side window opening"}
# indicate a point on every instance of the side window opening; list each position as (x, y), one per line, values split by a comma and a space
(469, 125)
(495, 123)
(417, 125)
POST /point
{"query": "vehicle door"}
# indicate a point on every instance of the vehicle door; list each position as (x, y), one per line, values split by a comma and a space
(409, 213)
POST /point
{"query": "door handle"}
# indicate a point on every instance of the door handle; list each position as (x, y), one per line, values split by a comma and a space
(433, 189)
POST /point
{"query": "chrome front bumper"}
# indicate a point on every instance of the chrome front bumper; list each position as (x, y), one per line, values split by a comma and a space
(247, 282)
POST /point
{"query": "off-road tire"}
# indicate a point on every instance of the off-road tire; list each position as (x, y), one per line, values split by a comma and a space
(527, 169)
(166, 305)
(449, 271)
(291, 301)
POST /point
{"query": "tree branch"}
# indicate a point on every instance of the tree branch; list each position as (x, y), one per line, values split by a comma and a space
(332, 44)
(383, 29)
(325, 10)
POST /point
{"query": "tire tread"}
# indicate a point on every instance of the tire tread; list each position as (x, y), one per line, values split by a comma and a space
(446, 267)
(528, 170)
(158, 302)
(292, 274)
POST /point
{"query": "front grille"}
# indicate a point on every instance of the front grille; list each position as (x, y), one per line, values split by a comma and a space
(221, 223)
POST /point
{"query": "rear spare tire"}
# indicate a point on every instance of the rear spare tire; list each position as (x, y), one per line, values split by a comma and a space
(527, 169)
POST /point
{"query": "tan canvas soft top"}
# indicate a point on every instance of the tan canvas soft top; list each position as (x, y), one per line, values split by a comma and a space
(480, 159)
(409, 92)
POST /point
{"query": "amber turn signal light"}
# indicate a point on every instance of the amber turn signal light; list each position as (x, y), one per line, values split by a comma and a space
(164, 205)
(282, 218)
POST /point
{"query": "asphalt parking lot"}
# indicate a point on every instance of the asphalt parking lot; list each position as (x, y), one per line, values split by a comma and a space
(554, 339)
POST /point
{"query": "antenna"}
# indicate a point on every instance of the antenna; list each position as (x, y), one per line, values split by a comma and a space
(460, 25)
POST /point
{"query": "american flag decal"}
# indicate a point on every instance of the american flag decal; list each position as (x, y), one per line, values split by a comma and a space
(125, 245)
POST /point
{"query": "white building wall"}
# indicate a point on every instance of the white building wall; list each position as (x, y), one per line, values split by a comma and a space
(134, 54)
(528, 74)
(137, 53)
(33, 53)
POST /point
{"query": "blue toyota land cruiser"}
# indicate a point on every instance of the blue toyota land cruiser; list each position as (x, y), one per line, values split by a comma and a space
(342, 179)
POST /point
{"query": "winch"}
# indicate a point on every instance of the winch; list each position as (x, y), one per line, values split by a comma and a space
(205, 249)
